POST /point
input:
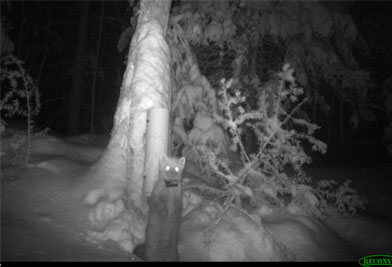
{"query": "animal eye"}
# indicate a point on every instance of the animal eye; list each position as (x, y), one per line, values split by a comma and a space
(177, 169)
(167, 168)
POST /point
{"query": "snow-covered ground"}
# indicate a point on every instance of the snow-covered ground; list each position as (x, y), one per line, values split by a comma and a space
(44, 218)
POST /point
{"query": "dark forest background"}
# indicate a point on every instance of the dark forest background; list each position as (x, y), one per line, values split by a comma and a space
(46, 35)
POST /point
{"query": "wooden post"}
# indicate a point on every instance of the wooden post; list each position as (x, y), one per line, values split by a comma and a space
(157, 137)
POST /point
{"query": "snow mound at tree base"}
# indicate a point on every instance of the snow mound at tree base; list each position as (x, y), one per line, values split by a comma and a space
(115, 223)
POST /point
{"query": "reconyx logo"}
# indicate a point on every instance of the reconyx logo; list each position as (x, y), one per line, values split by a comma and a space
(376, 260)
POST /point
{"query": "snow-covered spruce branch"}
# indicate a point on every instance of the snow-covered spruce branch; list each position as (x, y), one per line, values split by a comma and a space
(278, 145)
(228, 122)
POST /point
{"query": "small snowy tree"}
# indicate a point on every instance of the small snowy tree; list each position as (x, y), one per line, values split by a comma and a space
(20, 92)
(254, 38)
(273, 110)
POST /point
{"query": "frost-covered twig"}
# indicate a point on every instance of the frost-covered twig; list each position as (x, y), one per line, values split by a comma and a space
(20, 86)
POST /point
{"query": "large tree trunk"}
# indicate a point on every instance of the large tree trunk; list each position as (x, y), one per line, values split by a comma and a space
(118, 174)
(75, 99)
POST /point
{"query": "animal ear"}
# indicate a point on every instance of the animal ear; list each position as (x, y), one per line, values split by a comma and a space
(182, 161)
(163, 157)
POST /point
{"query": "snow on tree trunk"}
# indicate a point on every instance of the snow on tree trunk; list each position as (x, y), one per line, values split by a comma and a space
(146, 84)
(118, 174)
(157, 144)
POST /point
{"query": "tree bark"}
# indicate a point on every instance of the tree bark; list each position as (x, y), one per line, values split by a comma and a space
(146, 84)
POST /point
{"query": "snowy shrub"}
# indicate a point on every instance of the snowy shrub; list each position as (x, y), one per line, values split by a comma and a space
(19, 91)
(262, 181)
